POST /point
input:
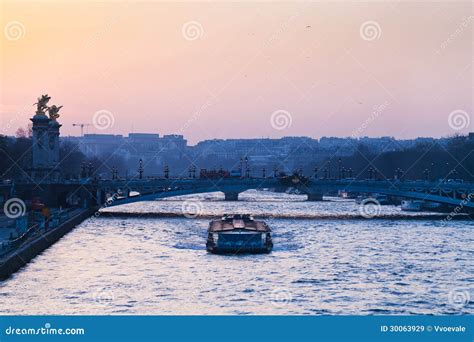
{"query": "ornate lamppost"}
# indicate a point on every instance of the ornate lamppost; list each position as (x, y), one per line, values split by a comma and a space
(141, 169)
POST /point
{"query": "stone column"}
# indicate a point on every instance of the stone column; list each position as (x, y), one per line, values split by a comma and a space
(40, 165)
(53, 136)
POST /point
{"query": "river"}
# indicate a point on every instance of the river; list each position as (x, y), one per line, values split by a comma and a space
(326, 260)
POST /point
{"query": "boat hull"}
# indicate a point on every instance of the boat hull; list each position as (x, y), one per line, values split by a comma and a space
(225, 243)
(225, 251)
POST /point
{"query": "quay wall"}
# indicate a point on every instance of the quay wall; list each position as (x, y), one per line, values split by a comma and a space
(18, 258)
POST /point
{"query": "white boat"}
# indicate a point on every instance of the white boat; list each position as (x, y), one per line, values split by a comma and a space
(346, 194)
(419, 205)
(412, 205)
(431, 205)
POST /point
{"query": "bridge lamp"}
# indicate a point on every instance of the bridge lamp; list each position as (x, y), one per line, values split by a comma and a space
(141, 169)
(426, 172)
(89, 170)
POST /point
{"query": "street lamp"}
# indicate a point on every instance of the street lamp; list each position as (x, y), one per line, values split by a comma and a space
(140, 168)
(455, 173)
(89, 170)
(426, 172)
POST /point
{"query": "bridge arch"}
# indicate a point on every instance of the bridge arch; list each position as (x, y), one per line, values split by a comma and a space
(448, 194)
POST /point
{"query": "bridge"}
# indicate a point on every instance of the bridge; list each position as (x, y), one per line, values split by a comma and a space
(93, 192)
(120, 191)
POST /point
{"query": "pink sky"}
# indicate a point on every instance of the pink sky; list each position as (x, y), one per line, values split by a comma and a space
(249, 60)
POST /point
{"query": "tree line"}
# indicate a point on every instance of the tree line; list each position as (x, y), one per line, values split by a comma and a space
(424, 161)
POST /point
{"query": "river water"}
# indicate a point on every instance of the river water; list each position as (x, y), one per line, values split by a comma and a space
(326, 260)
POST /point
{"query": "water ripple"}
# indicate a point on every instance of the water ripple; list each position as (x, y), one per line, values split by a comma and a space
(159, 265)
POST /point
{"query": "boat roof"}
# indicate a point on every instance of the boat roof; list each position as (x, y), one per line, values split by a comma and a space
(241, 222)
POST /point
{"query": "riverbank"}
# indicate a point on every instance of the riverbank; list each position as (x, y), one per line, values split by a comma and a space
(16, 259)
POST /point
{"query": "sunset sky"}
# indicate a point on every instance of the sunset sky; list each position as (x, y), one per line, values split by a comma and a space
(221, 69)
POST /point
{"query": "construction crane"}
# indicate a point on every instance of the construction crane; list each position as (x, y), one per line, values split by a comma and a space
(82, 125)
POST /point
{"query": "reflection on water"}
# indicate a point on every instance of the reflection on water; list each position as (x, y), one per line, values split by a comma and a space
(160, 265)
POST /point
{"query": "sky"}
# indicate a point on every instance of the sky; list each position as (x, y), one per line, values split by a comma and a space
(240, 69)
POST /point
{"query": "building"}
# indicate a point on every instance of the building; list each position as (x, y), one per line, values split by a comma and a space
(95, 145)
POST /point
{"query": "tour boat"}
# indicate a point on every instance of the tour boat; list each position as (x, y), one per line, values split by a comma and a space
(418, 205)
(234, 234)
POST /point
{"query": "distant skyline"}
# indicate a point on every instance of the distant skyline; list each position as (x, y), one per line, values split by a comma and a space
(279, 137)
(241, 70)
